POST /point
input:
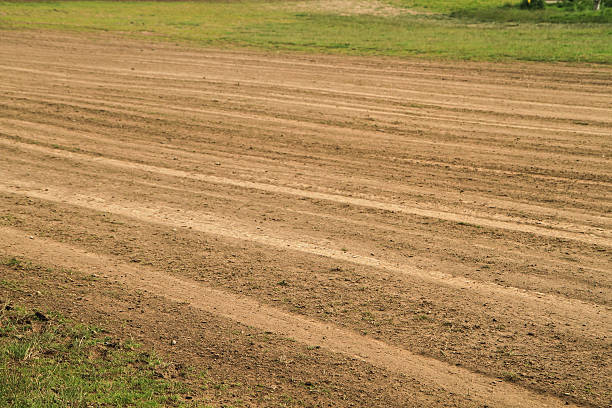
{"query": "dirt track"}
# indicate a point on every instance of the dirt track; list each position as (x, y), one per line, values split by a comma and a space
(425, 234)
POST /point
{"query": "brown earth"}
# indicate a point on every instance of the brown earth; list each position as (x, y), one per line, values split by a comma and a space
(317, 231)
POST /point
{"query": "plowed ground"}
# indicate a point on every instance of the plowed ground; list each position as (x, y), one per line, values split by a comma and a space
(318, 231)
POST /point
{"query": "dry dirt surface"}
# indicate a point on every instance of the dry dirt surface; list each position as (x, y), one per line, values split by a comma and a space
(347, 7)
(317, 231)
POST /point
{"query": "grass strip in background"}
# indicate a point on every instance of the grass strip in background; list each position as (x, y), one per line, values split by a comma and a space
(271, 25)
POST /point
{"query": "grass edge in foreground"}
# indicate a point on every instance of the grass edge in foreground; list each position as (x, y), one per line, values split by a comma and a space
(47, 360)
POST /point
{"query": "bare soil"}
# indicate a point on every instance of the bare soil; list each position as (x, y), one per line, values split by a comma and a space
(316, 230)
(347, 7)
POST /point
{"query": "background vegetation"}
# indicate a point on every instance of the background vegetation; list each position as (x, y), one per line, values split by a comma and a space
(449, 29)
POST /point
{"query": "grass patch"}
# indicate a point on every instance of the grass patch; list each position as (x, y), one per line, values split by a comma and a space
(446, 6)
(8, 219)
(510, 376)
(48, 361)
(550, 14)
(462, 29)
(14, 263)
(10, 285)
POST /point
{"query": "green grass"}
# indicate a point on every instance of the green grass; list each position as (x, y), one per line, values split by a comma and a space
(13, 262)
(462, 29)
(562, 12)
(47, 361)
(551, 14)
(446, 6)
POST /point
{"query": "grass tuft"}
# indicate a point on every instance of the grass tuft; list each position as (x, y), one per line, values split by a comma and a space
(48, 361)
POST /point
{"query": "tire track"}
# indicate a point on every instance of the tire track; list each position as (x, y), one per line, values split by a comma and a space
(267, 120)
(411, 81)
(287, 205)
(51, 134)
(571, 312)
(404, 113)
(352, 65)
(244, 310)
(342, 199)
(423, 113)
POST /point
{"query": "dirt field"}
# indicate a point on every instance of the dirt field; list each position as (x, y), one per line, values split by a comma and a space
(318, 231)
